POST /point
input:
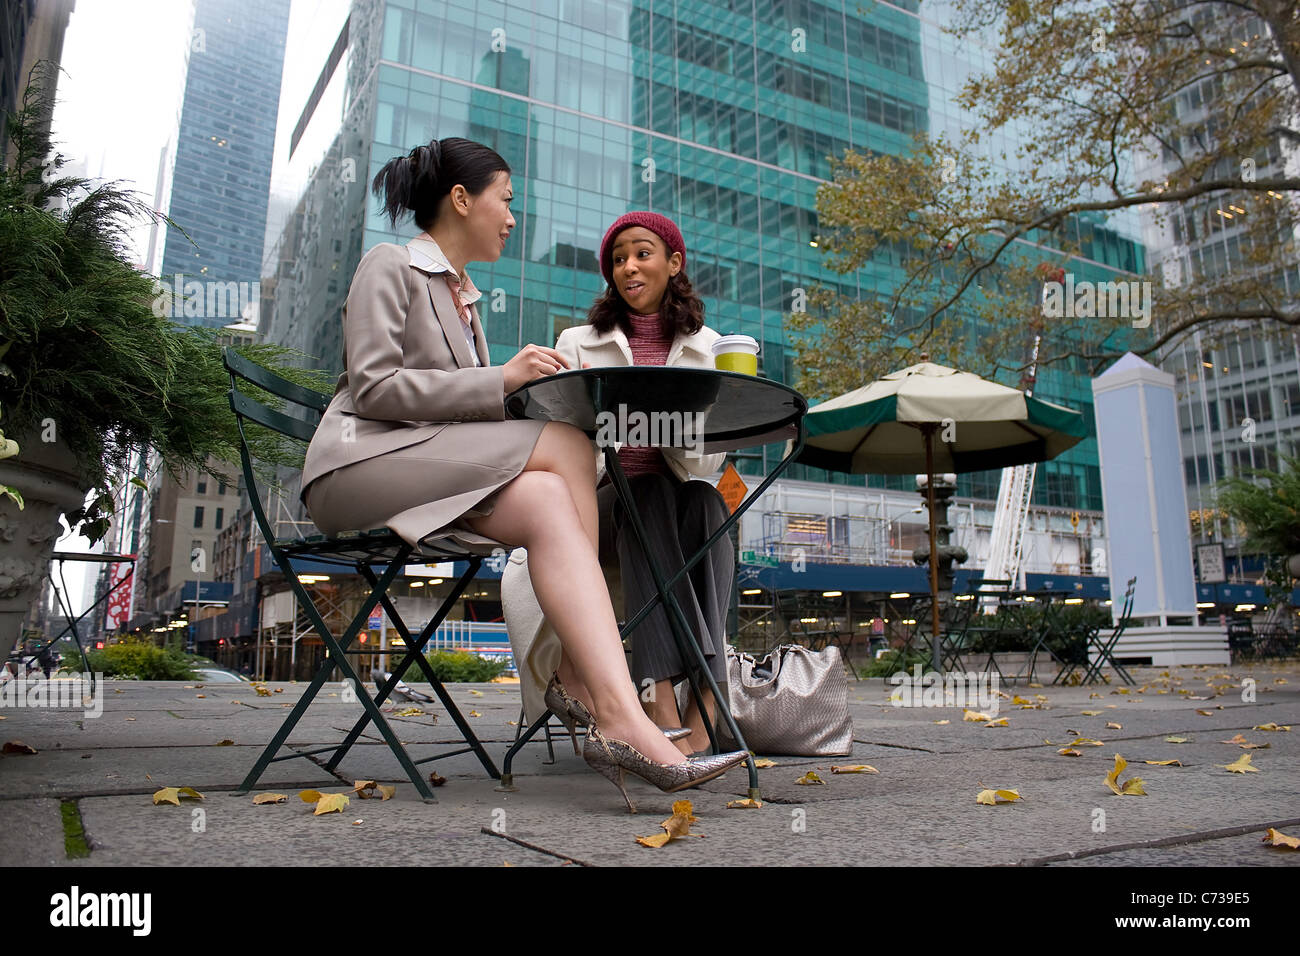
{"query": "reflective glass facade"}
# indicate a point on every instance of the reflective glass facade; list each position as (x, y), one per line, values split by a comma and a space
(721, 115)
(224, 145)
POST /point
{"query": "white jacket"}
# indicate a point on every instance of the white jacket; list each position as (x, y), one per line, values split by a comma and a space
(535, 645)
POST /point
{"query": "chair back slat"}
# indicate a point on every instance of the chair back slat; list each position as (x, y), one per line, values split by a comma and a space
(246, 407)
(239, 366)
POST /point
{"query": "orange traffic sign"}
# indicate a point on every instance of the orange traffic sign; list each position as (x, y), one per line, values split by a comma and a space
(732, 488)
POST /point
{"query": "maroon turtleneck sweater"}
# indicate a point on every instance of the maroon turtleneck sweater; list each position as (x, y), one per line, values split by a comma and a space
(649, 347)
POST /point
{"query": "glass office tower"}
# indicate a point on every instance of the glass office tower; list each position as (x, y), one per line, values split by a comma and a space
(223, 158)
(720, 114)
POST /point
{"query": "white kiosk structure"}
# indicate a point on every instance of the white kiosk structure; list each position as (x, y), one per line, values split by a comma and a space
(1145, 502)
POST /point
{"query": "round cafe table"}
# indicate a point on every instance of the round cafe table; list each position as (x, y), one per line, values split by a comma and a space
(706, 410)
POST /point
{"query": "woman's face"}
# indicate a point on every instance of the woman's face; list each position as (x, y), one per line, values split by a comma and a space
(489, 221)
(642, 268)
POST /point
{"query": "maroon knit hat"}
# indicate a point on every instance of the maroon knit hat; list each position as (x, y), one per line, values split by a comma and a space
(661, 226)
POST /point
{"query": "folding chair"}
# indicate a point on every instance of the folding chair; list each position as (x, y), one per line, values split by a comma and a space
(362, 551)
(1105, 646)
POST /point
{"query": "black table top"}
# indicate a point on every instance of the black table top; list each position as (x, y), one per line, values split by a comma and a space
(738, 410)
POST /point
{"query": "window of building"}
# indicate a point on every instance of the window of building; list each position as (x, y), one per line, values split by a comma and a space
(220, 513)
(203, 485)
(198, 517)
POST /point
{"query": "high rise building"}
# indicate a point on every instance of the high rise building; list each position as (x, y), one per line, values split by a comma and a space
(223, 157)
(30, 31)
(722, 115)
(1238, 383)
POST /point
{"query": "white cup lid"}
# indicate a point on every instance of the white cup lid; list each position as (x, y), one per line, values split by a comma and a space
(735, 343)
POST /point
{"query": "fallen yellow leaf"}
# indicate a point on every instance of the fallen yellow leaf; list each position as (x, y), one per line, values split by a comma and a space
(1278, 838)
(1090, 713)
(675, 827)
(854, 768)
(331, 803)
(993, 797)
(225, 743)
(1018, 700)
(941, 722)
(1238, 739)
(1254, 746)
(762, 763)
(1000, 722)
(309, 796)
(409, 712)
(475, 713)
(476, 693)
(1272, 726)
(1068, 752)
(975, 715)
(17, 747)
(1111, 725)
(269, 798)
(1131, 787)
(745, 804)
(173, 795)
(1164, 763)
(810, 778)
(1241, 765)
(1084, 742)
(1205, 713)
(386, 790)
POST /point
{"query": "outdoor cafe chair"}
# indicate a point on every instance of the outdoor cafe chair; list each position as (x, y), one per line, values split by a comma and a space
(362, 551)
(1104, 645)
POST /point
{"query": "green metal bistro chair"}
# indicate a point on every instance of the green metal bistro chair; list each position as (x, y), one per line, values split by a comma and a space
(1104, 645)
(362, 551)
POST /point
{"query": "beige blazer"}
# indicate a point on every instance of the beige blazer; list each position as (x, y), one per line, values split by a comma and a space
(407, 367)
(409, 376)
(535, 645)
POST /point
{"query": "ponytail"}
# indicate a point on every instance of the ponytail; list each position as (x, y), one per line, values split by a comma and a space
(418, 181)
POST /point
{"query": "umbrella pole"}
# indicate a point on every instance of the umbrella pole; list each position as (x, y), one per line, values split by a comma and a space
(934, 552)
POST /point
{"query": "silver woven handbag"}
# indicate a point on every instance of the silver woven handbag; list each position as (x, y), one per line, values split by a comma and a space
(793, 701)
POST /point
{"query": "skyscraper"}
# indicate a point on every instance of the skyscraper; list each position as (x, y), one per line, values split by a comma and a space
(223, 159)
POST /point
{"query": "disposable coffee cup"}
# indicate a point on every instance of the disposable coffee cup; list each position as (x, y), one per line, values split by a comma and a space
(736, 353)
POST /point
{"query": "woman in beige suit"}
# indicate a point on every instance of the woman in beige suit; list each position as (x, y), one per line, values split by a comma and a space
(416, 438)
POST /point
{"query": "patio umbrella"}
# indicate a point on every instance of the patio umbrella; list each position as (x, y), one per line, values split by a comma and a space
(889, 427)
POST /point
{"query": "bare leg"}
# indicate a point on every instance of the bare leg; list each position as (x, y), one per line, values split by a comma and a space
(536, 511)
(566, 452)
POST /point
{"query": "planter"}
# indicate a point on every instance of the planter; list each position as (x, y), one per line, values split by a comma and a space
(50, 480)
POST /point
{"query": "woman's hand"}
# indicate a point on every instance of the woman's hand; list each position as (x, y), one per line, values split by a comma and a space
(533, 361)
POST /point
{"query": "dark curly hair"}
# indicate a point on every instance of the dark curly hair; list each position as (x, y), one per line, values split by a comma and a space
(681, 310)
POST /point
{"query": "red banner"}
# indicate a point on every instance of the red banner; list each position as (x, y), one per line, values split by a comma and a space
(120, 598)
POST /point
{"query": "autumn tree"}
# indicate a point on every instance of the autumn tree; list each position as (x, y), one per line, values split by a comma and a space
(1183, 112)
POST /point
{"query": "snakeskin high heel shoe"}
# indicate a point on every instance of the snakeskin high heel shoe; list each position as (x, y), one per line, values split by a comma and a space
(572, 712)
(613, 758)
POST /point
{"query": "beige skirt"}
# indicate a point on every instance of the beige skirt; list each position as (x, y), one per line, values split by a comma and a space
(419, 491)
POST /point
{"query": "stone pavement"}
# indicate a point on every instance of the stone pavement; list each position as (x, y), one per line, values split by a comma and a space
(919, 809)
